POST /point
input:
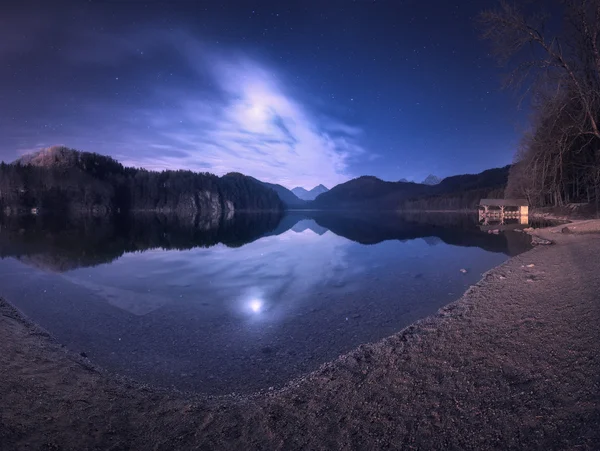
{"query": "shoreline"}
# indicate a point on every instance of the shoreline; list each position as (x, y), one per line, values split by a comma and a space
(513, 363)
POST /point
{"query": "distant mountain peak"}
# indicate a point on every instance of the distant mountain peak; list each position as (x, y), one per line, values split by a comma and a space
(51, 156)
(65, 157)
(304, 194)
(287, 196)
(431, 180)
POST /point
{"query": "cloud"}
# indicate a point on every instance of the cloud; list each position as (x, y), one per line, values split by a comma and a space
(250, 125)
(223, 111)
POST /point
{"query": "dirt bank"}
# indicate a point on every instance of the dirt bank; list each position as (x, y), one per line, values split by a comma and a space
(514, 364)
(566, 213)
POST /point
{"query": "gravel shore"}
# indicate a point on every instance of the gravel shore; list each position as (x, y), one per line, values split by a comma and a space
(513, 364)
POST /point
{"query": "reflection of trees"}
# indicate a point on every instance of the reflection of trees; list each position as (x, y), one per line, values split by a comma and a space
(432, 240)
(61, 244)
(454, 229)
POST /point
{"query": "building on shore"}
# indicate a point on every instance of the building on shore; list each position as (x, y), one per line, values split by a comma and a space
(501, 209)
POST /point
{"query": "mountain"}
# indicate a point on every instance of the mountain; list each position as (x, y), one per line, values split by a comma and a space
(289, 199)
(457, 192)
(59, 179)
(52, 156)
(431, 180)
(367, 192)
(309, 195)
(62, 179)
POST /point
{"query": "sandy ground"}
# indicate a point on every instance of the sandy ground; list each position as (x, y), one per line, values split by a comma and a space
(514, 364)
(588, 226)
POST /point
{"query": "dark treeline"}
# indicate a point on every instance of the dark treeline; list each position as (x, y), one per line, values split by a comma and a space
(464, 200)
(61, 179)
(462, 192)
(559, 159)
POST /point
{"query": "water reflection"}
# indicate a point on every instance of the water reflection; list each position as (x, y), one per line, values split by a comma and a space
(247, 305)
(256, 305)
(60, 244)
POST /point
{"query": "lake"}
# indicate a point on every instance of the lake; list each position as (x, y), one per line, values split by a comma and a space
(242, 305)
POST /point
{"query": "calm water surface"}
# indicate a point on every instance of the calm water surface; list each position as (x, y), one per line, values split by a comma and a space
(241, 306)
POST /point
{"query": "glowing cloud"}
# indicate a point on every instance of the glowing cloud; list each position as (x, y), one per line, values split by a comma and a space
(215, 111)
(249, 125)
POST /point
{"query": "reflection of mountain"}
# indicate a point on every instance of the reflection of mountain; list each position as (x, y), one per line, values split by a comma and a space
(457, 230)
(432, 240)
(61, 245)
(309, 224)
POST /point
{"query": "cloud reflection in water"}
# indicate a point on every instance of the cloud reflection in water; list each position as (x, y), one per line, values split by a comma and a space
(269, 276)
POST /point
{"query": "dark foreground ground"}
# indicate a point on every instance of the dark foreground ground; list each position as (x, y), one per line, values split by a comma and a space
(514, 364)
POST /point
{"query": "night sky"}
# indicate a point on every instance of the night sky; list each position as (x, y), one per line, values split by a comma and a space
(297, 93)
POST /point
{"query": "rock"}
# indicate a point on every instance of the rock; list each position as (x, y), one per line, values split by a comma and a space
(531, 265)
(535, 240)
(566, 230)
(464, 271)
(83, 354)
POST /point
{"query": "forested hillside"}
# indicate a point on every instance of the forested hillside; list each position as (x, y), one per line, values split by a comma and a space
(462, 192)
(60, 179)
(453, 193)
